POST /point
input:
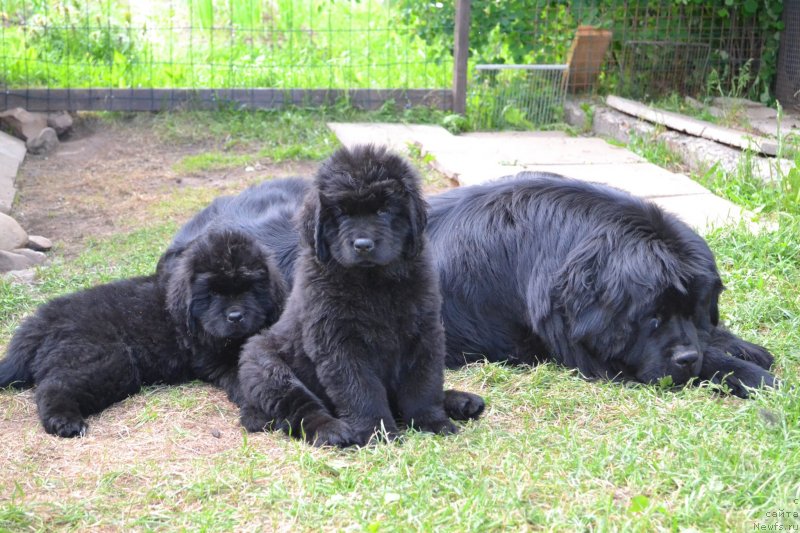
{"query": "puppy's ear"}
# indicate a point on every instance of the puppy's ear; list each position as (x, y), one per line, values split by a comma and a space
(312, 226)
(179, 291)
(418, 219)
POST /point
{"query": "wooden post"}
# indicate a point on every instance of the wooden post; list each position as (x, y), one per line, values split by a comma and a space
(460, 56)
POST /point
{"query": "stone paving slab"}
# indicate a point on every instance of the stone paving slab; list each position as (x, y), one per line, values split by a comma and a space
(480, 157)
(12, 152)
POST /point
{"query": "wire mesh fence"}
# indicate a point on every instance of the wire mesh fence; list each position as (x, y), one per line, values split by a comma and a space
(238, 47)
(654, 68)
(787, 84)
(517, 96)
(156, 54)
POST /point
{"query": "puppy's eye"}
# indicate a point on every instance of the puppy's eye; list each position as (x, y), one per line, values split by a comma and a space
(655, 323)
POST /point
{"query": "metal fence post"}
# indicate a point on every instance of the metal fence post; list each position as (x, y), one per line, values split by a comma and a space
(460, 55)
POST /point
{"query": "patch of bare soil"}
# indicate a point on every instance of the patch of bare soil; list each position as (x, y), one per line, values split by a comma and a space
(101, 180)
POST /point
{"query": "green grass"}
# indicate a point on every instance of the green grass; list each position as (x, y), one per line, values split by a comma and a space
(654, 150)
(200, 44)
(552, 452)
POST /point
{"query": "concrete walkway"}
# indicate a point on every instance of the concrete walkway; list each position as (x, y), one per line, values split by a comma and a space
(479, 157)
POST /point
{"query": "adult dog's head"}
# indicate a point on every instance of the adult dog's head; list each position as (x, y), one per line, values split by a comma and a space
(643, 301)
(366, 210)
(224, 285)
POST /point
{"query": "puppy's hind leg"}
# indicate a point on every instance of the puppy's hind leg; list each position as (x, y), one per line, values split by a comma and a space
(273, 397)
(59, 409)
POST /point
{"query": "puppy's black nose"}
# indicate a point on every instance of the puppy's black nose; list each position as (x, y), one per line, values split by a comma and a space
(363, 246)
(685, 359)
(235, 316)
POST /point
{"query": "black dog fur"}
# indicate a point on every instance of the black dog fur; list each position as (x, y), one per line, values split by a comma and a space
(214, 288)
(537, 267)
(361, 342)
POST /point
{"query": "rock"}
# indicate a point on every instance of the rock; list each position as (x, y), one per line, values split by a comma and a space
(37, 258)
(11, 233)
(574, 115)
(12, 152)
(61, 122)
(729, 101)
(27, 276)
(45, 142)
(13, 261)
(23, 124)
(39, 243)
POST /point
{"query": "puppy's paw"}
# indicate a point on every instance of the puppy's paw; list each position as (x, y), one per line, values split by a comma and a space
(460, 405)
(65, 426)
(334, 432)
(253, 419)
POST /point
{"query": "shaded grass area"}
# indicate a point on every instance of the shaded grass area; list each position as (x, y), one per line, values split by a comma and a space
(552, 452)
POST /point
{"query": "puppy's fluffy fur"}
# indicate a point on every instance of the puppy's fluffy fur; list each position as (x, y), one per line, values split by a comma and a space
(216, 286)
(360, 344)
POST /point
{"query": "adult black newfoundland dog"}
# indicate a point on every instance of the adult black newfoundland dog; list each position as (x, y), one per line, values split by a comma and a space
(215, 287)
(537, 267)
(361, 341)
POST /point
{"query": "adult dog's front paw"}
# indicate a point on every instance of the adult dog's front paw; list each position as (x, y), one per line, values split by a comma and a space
(460, 405)
(440, 426)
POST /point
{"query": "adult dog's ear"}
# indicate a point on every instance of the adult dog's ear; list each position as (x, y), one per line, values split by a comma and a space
(312, 226)
(592, 291)
(418, 219)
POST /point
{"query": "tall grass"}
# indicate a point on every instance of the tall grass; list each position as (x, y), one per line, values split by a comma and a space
(200, 43)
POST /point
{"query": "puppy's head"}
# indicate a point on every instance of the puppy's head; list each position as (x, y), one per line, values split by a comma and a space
(640, 307)
(224, 285)
(366, 209)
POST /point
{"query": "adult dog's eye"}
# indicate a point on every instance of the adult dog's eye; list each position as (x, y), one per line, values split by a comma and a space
(655, 323)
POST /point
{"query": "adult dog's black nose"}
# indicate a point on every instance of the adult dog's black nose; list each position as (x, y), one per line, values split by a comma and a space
(686, 358)
(235, 316)
(363, 246)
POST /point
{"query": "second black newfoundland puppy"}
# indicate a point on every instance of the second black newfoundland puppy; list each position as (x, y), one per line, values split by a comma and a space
(215, 287)
(537, 267)
(360, 343)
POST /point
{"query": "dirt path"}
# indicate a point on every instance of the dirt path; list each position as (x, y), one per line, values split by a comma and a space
(105, 176)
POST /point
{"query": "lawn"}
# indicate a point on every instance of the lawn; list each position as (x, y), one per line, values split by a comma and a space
(552, 451)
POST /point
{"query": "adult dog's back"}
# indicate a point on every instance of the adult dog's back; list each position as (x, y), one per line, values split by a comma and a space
(542, 267)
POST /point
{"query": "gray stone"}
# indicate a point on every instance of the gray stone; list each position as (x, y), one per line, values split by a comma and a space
(11, 233)
(697, 153)
(13, 261)
(61, 122)
(37, 258)
(730, 101)
(23, 124)
(39, 243)
(44, 143)
(575, 116)
(27, 276)
(12, 152)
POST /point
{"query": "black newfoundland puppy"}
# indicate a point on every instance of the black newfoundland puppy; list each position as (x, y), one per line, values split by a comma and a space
(215, 287)
(361, 342)
(536, 267)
